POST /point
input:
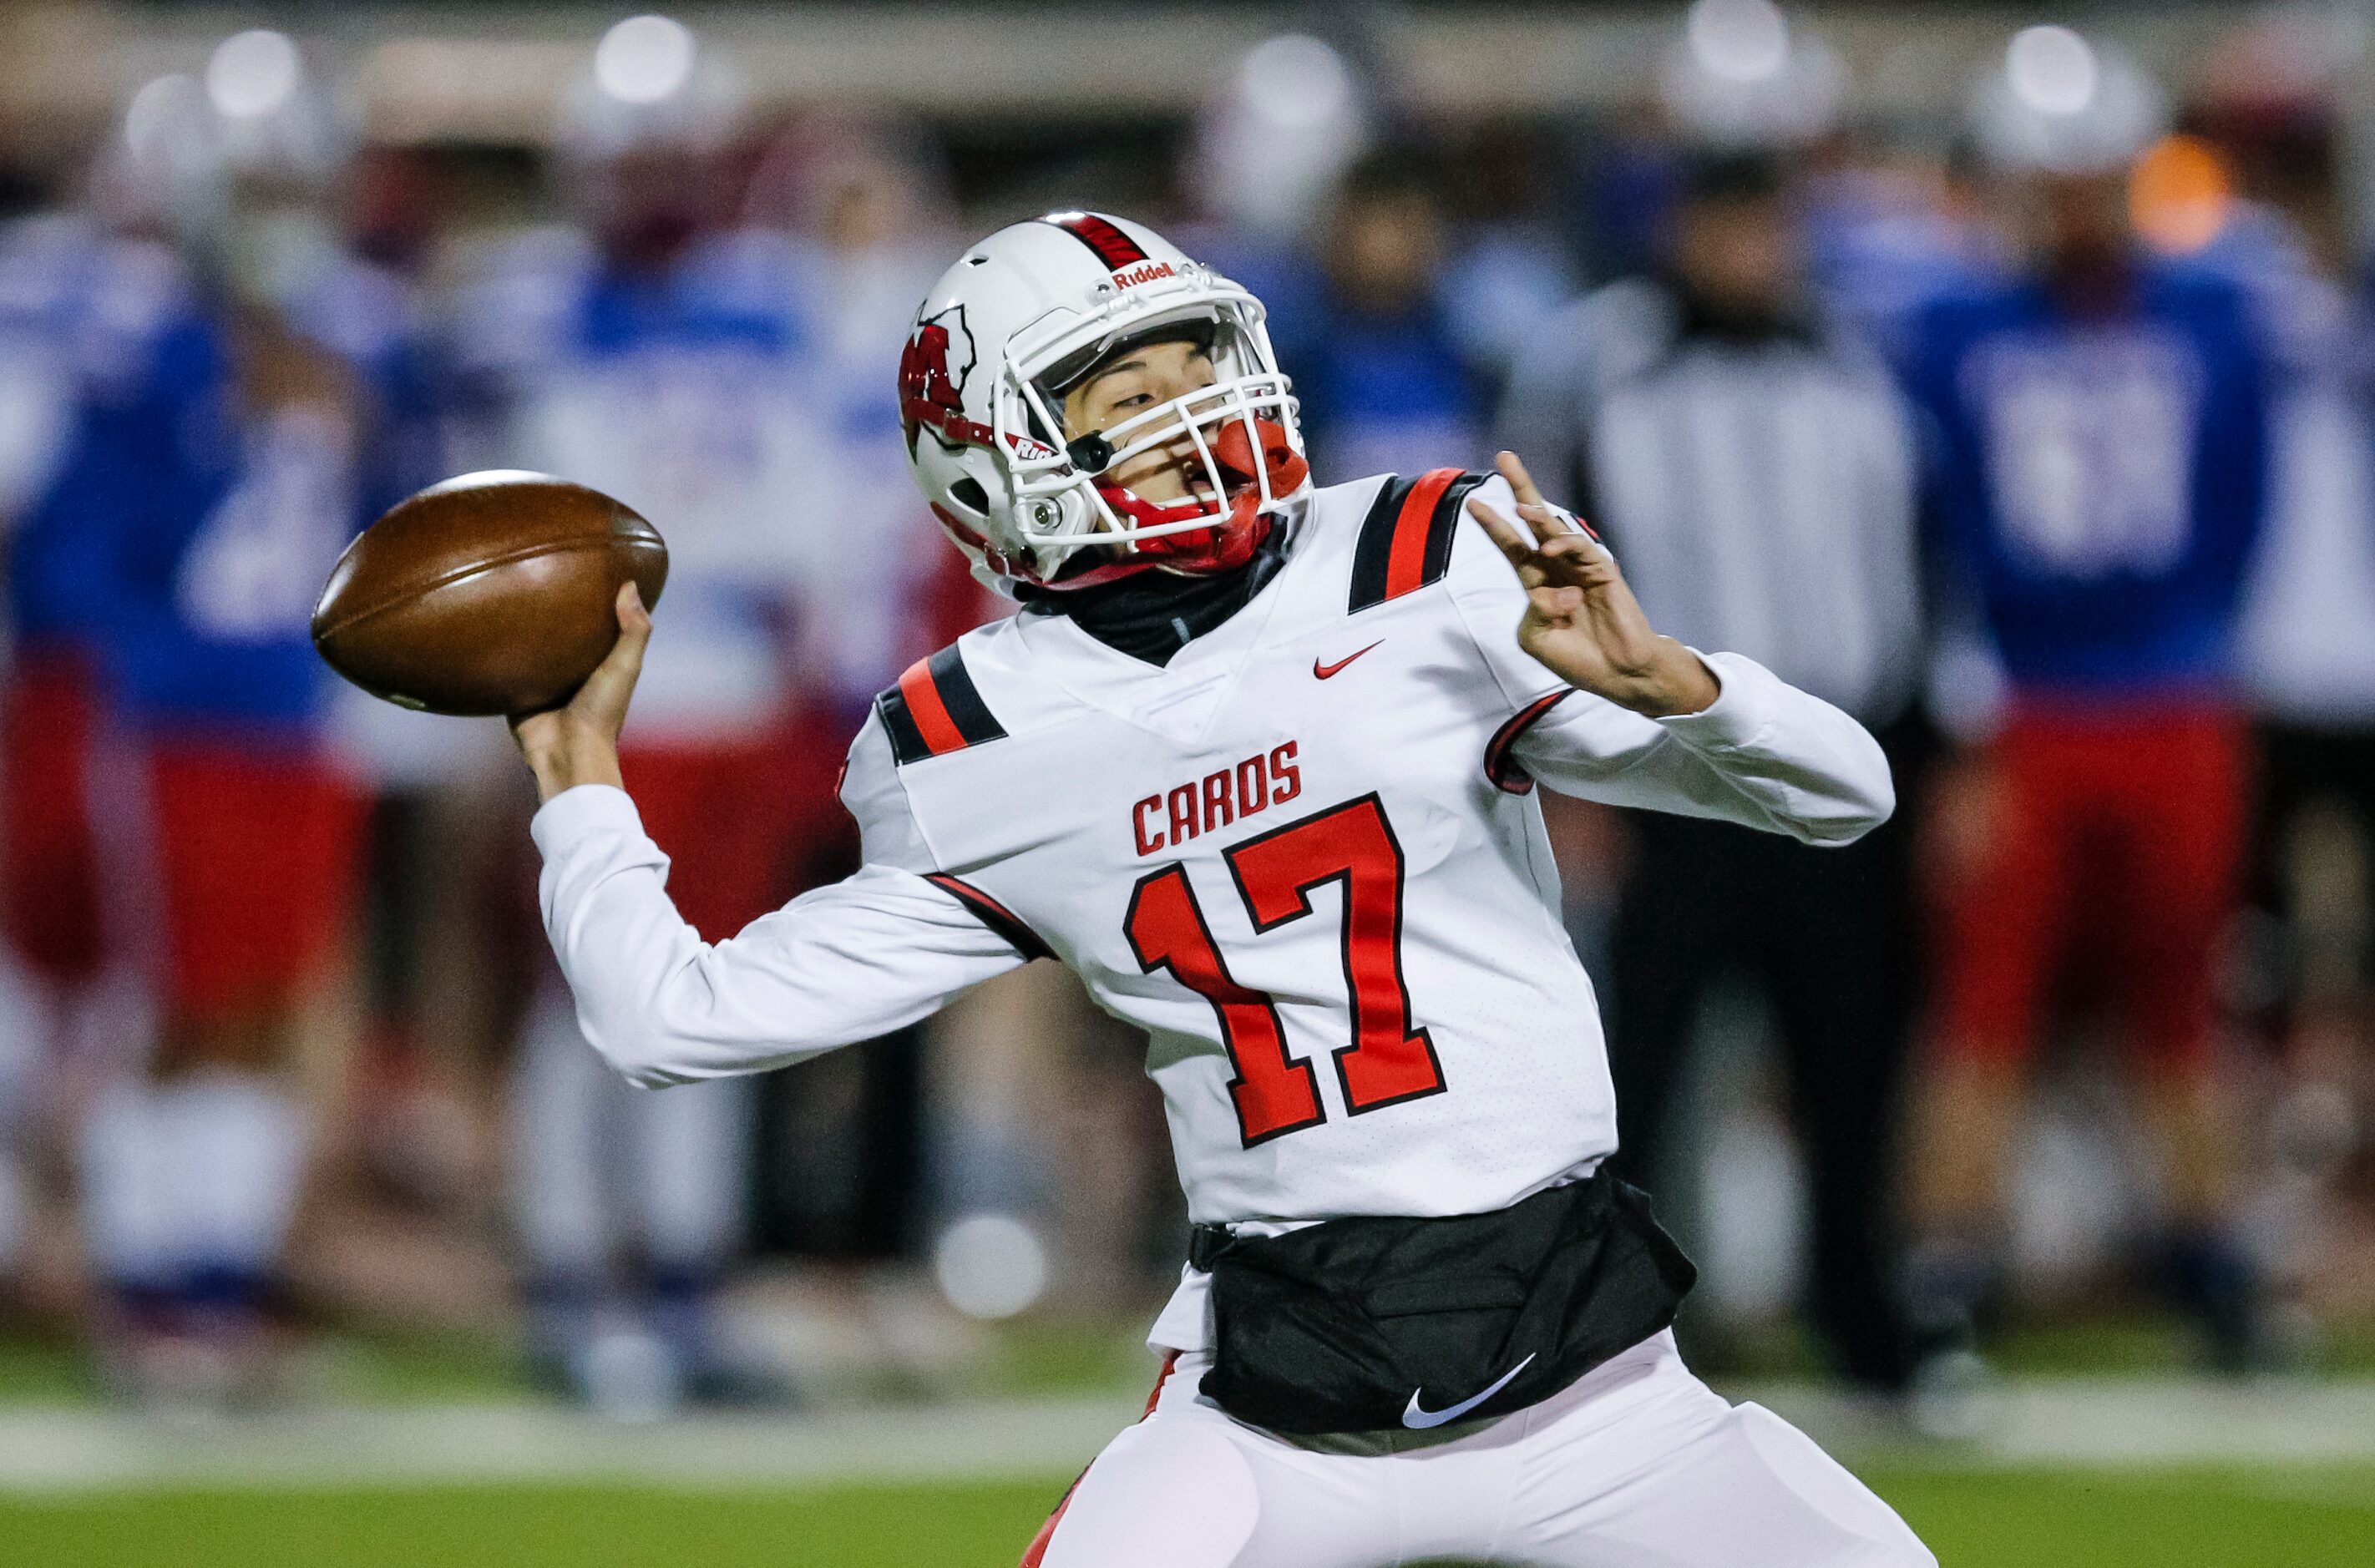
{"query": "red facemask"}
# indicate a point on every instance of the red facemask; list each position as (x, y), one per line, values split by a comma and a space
(1227, 544)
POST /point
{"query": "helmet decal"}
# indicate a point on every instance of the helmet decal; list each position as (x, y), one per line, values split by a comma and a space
(939, 359)
(1102, 235)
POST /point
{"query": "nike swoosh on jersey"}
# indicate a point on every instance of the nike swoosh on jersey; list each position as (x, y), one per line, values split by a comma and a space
(1421, 1420)
(1323, 671)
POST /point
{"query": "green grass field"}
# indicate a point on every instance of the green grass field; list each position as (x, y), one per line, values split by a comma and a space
(2296, 1518)
(2115, 1498)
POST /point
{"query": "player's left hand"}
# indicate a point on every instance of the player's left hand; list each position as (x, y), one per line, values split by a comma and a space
(1581, 621)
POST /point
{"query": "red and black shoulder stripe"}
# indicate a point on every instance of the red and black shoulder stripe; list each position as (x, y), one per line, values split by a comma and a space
(1406, 539)
(995, 915)
(936, 709)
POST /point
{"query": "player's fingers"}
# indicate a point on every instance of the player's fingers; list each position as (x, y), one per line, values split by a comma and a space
(1513, 468)
(1558, 604)
(1512, 543)
(635, 620)
(1548, 522)
(607, 691)
(1574, 552)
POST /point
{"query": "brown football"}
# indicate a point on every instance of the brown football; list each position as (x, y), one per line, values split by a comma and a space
(492, 592)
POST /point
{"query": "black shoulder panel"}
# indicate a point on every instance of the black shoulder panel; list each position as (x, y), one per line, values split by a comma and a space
(936, 709)
(1406, 539)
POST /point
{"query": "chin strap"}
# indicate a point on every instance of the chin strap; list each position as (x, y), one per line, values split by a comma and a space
(1231, 540)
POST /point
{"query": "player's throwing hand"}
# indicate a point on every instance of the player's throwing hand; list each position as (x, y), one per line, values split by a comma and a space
(577, 743)
(1581, 621)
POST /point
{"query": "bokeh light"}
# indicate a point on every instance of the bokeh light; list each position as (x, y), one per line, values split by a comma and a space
(2052, 70)
(158, 112)
(252, 74)
(1740, 41)
(645, 59)
(1294, 80)
(990, 1266)
(2180, 195)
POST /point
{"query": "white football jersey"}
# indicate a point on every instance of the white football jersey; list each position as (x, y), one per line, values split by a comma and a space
(1304, 856)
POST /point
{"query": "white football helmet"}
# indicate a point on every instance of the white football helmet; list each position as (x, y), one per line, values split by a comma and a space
(1024, 315)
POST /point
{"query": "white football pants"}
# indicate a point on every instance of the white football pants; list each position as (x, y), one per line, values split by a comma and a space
(1639, 1464)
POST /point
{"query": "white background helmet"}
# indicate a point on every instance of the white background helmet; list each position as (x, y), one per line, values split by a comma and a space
(2062, 104)
(1024, 313)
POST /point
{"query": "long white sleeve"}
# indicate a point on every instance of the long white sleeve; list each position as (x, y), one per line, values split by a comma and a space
(844, 963)
(1765, 754)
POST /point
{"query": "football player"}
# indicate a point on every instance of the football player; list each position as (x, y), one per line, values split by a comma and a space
(221, 456)
(2100, 463)
(654, 354)
(1256, 760)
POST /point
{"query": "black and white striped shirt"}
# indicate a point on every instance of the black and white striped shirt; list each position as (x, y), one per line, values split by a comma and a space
(1759, 491)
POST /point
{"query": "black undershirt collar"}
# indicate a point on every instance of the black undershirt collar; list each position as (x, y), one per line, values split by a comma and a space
(1152, 615)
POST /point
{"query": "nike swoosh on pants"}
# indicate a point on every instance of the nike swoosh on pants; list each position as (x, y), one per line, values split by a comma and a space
(1422, 1419)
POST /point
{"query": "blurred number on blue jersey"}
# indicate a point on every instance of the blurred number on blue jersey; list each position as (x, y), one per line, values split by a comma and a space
(257, 562)
(2090, 448)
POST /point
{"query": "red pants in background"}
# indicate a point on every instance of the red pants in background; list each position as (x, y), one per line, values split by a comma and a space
(2118, 829)
(258, 857)
(745, 821)
(49, 866)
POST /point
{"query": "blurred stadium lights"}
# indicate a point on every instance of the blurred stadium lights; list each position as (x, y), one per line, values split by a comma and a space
(252, 74)
(159, 112)
(2067, 104)
(2051, 70)
(990, 1266)
(1741, 75)
(1294, 81)
(1285, 123)
(1739, 41)
(496, 73)
(645, 59)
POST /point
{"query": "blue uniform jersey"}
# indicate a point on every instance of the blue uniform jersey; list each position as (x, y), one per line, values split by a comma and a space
(2099, 482)
(690, 395)
(193, 520)
(42, 260)
(1387, 393)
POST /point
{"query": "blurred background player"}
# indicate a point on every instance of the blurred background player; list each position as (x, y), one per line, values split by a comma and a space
(412, 1131)
(656, 353)
(227, 445)
(2266, 152)
(1752, 467)
(863, 203)
(2101, 424)
(51, 949)
(1385, 385)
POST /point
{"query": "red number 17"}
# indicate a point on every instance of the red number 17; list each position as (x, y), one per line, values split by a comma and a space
(1389, 1060)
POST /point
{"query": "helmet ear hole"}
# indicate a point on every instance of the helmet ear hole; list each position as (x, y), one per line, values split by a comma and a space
(967, 492)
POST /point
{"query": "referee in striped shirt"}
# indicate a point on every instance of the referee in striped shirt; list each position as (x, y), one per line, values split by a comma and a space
(1755, 472)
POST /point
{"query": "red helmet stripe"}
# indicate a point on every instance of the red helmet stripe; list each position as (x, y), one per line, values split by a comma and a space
(1113, 247)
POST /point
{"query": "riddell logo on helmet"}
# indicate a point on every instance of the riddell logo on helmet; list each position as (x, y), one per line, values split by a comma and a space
(1144, 272)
